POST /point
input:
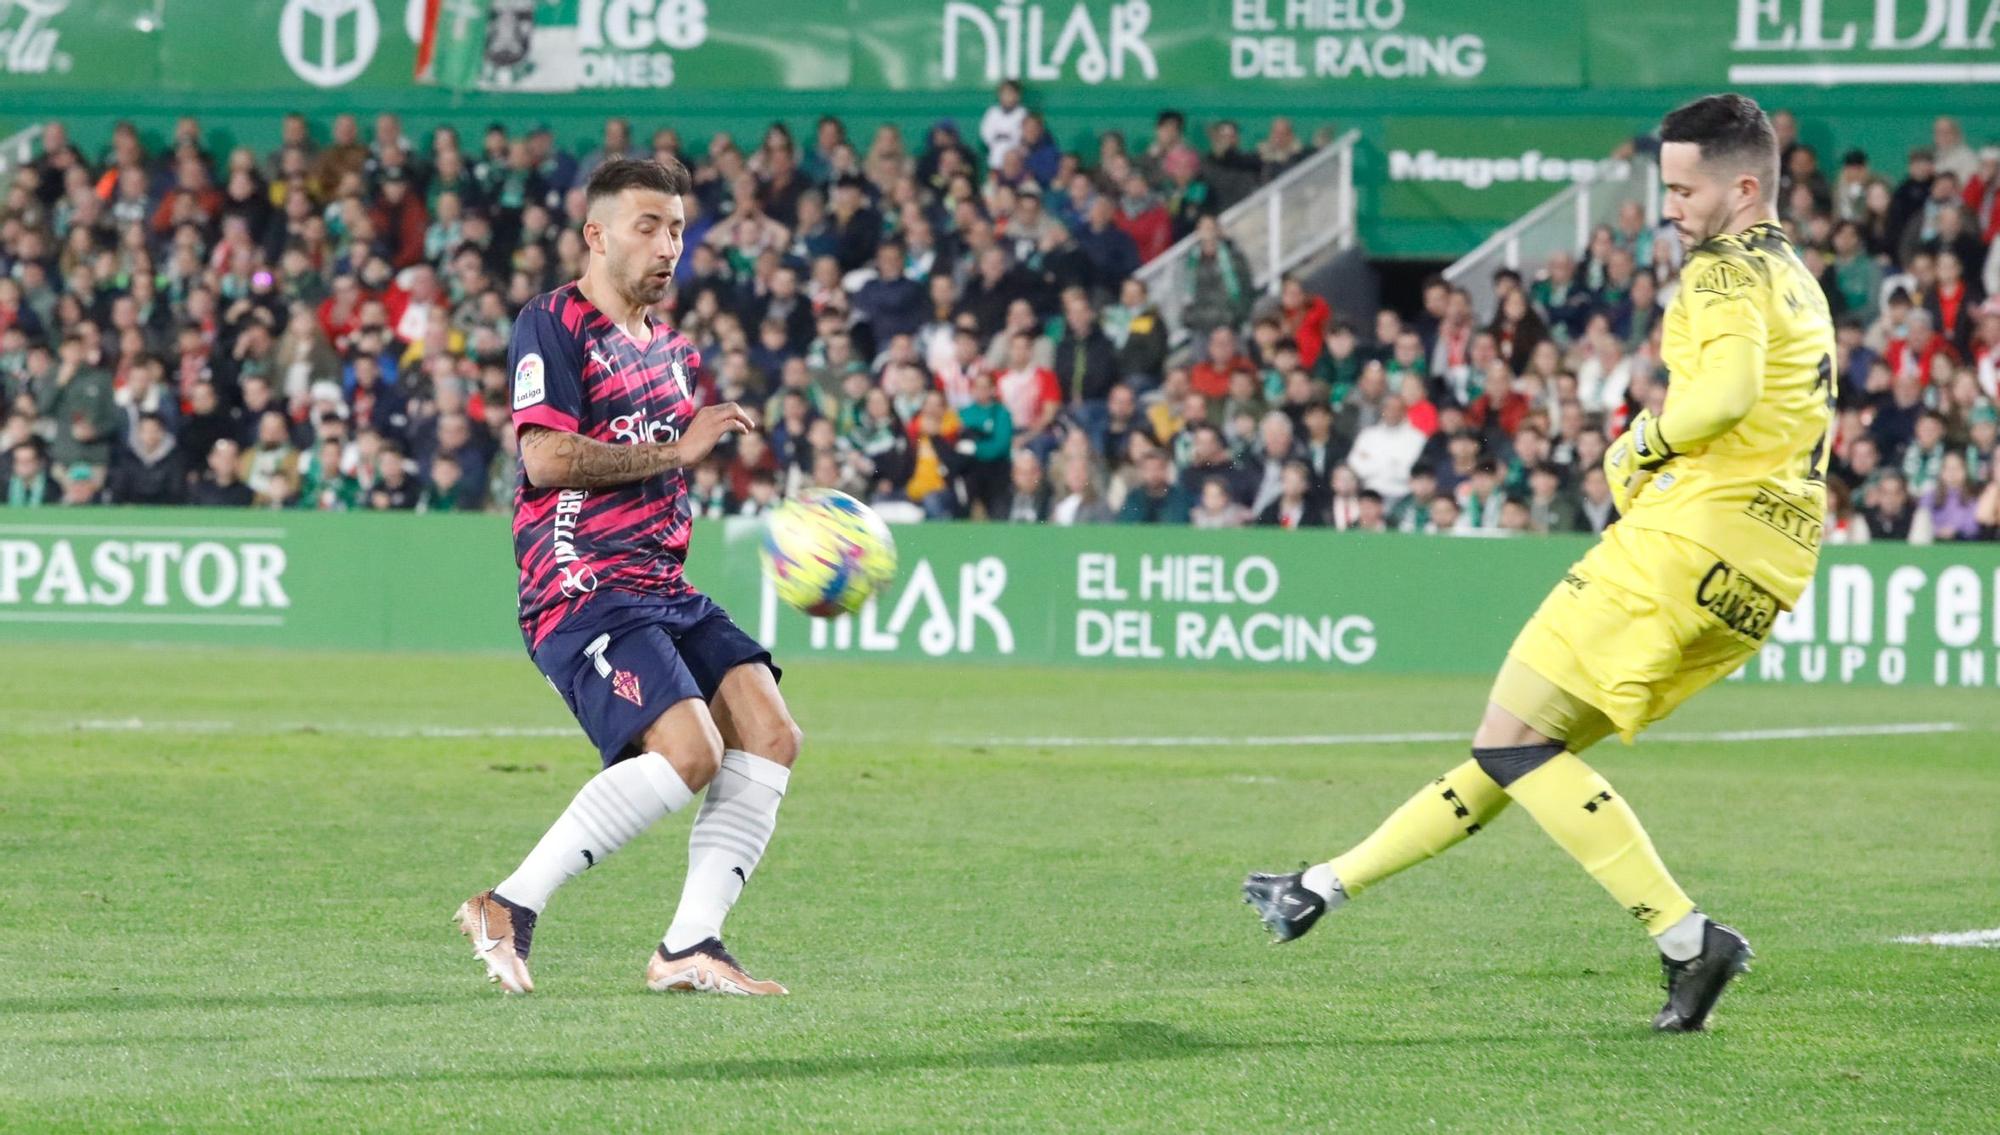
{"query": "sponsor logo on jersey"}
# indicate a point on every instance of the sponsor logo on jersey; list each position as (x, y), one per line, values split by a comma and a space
(637, 429)
(530, 382)
(574, 576)
(1737, 601)
(1722, 279)
(1785, 518)
(577, 579)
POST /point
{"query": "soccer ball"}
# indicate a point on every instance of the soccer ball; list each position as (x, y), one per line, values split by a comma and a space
(826, 553)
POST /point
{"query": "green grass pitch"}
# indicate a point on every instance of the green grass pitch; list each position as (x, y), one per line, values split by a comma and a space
(236, 914)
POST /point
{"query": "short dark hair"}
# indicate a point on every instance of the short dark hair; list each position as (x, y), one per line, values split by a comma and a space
(1731, 129)
(614, 177)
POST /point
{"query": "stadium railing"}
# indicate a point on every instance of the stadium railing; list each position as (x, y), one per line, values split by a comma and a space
(1561, 224)
(1298, 215)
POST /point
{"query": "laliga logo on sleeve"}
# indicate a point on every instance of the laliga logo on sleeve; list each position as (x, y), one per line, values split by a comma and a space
(530, 385)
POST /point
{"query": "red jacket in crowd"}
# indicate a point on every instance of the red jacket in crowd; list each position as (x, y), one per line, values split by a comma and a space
(1307, 327)
(1211, 381)
(1900, 358)
(1510, 413)
(1152, 230)
(402, 227)
(1982, 201)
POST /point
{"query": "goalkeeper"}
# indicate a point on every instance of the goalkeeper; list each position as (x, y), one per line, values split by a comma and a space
(1721, 499)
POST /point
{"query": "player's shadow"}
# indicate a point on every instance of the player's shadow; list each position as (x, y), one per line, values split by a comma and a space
(1092, 1042)
(1095, 1042)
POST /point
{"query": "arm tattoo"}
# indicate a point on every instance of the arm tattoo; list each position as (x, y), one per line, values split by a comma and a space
(572, 461)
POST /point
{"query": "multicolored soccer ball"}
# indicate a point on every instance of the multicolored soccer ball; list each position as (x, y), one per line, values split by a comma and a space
(826, 553)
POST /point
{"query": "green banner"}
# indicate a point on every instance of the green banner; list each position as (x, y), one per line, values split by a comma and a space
(1484, 171)
(67, 45)
(371, 45)
(1334, 48)
(1320, 601)
(1889, 615)
(1194, 44)
(559, 46)
(374, 582)
(1818, 43)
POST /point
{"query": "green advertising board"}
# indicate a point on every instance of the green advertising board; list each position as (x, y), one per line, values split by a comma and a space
(1209, 44)
(1449, 96)
(1461, 177)
(258, 579)
(208, 47)
(1813, 43)
(1322, 602)
(1331, 48)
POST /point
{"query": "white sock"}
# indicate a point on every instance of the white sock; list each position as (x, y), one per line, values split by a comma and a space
(1682, 940)
(729, 837)
(1320, 880)
(615, 806)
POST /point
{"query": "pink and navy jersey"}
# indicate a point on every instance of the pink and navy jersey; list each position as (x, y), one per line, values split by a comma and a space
(575, 370)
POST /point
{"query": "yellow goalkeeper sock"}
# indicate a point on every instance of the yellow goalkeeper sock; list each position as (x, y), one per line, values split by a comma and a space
(1430, 823)
(1577, 808)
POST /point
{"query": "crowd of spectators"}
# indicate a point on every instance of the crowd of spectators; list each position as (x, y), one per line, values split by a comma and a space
(950, 330)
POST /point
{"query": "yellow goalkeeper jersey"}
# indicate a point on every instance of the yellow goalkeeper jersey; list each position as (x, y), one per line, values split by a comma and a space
(1753, 493)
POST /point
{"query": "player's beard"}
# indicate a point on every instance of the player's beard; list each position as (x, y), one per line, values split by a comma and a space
(1693, 237)
(640, 286)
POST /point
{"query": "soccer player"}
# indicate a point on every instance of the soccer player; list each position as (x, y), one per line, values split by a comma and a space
(674, 696)
(1722, 499)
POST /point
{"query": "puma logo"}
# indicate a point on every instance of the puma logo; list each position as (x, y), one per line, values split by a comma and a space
(738, 870)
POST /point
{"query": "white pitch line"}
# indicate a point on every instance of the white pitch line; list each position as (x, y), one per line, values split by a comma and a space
(1188, 742)
(1307, 740)
(1810, 732)
(1985, 938)
(1313, 740)
(140, 725)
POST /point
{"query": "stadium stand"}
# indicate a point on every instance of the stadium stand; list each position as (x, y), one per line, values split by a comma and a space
(952, 328)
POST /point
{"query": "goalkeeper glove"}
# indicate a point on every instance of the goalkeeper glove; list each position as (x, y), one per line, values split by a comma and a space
(1631, 460)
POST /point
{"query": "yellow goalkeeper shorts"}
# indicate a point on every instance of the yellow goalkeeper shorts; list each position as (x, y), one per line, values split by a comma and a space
(1639, 625)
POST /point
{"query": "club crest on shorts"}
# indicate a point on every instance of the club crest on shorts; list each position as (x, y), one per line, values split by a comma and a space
(626, 685)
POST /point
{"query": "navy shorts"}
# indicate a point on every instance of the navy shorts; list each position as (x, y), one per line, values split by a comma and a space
(622, 660)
